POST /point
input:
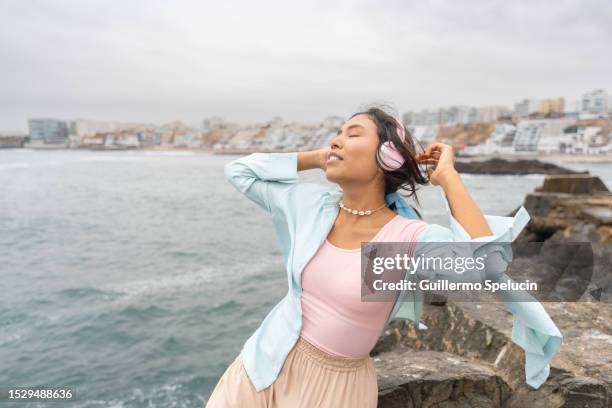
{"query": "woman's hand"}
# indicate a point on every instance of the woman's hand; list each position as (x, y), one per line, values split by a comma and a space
(312, 159)
(323, 157)
(442, 159)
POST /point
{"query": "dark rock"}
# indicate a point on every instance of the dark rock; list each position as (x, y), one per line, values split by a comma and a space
(434, 299)
(573, 184)
(387, 342)
(581, 373)
(563, 391)
(518, 167)
(452, 330)
(582, 217)
(436, 379)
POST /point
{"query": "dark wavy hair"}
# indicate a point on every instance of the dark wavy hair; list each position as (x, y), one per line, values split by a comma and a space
(408, 177)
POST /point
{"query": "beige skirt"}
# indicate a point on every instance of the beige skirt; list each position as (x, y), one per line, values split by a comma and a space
(309, 378)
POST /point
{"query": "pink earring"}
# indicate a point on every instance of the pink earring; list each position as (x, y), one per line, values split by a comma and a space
(392, 158)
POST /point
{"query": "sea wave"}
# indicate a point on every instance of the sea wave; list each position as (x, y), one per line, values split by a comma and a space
(179, 395)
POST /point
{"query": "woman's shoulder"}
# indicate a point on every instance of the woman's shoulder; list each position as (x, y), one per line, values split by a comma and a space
(409, 229)
(408, 222)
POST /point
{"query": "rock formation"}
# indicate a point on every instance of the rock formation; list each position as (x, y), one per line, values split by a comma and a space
(466, 357)
(498, 166)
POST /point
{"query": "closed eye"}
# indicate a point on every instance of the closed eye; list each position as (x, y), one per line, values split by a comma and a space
(353, 135)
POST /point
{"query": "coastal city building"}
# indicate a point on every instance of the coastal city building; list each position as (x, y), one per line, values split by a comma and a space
(48, 131)
(594, 104)
(525, 108)
(456, 114)
(540, 108)
(539, 135)
(552, 106)
(88, 127)
(583, 139)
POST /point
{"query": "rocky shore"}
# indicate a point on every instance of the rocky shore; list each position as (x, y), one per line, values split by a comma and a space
(466, 357)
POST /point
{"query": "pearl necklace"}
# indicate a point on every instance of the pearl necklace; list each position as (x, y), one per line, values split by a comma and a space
(356, 212)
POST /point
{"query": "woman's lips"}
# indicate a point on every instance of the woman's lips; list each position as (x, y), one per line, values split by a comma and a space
(332, 157)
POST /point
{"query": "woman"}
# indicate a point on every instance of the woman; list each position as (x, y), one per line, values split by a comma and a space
(312, 349)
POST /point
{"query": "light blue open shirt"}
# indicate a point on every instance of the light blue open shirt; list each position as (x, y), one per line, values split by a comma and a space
(303, 214)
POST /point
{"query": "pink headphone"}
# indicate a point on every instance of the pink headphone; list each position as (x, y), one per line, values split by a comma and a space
(391, 157)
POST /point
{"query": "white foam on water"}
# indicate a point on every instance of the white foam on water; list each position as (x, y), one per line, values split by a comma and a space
(206, 277)
(166, 395)
(189, 281)
(9, 338)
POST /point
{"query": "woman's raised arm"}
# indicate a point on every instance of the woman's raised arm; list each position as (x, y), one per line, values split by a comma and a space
(264, 178)
(268, 178)
(462, 206)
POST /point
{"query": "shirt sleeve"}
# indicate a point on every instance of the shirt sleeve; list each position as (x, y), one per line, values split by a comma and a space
(441, 242)
(264, 178)
(533, 329)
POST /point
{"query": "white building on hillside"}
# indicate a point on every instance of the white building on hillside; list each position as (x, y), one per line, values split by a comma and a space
(540, 135)
(579, 139)
(594, 104)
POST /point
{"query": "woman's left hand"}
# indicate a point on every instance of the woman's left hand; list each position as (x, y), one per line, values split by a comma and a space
(442, 157)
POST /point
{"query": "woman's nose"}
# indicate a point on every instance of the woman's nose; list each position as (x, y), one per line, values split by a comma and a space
(335, 142)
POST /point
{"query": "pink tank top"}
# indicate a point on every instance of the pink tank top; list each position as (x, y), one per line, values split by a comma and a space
(334, 318)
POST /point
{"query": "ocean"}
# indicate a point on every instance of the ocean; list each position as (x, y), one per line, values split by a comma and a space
(135, 277)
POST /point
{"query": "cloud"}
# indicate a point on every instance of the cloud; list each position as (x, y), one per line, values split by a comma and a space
(248, 61)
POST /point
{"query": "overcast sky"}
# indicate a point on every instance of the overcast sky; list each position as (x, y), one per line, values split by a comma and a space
(157, 61)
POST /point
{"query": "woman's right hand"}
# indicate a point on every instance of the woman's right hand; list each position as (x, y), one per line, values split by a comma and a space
(442, 158)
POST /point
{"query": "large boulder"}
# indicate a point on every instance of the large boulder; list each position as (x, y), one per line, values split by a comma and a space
(478, 335)
(573, 184)
(436, 379)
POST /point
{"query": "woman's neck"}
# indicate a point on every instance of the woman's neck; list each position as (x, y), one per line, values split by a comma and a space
(363, 199)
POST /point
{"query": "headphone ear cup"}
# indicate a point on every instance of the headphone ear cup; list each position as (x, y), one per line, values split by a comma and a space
(392, 159)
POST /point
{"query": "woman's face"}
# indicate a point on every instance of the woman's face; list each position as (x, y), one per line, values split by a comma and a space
(355, 144)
